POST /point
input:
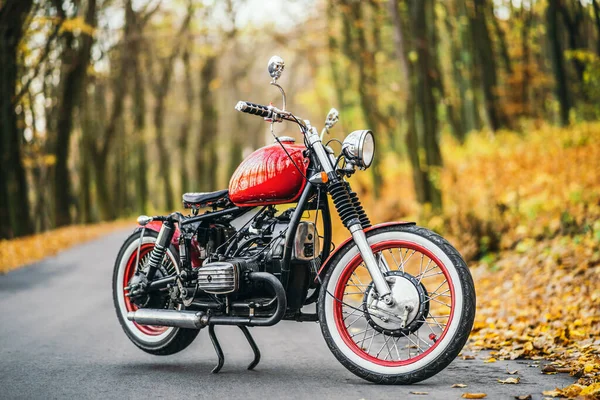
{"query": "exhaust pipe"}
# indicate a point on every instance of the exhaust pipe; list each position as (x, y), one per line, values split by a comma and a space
(198, 319)
(179, 319)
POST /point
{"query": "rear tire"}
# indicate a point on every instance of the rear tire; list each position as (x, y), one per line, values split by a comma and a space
(160, 341)
(426, 345)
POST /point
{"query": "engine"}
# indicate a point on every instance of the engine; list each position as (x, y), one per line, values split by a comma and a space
(259, 247)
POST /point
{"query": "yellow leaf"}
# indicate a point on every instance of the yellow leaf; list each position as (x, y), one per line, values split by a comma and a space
(459, 385)
(490, 360)
(552, 393)
(512, 381)
(474, 396)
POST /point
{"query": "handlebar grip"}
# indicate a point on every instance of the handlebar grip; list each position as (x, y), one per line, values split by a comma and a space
(254, 109)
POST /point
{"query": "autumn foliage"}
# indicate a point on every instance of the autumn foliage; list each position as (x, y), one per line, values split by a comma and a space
(524, 210)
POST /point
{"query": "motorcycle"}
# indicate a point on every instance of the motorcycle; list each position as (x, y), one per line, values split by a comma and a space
(395, 302)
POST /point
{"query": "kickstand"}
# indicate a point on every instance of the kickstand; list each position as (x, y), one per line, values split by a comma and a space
(252, 343)
(219, 351)
(217, 346)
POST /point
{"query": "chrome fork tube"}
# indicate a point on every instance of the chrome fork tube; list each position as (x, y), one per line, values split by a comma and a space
(383, 289)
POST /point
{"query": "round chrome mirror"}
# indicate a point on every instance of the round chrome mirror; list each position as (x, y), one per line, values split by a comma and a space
(276, 66)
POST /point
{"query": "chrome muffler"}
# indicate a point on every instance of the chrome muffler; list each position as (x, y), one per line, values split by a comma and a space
(199, 319)
(179, 319)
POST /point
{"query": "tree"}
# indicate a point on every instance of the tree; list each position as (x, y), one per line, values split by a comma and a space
(14, 203)
(558, 62)
(486, 62)
(75, 61)
(422, 136)
(160, 89)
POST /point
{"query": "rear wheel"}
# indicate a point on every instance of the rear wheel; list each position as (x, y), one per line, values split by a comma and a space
(158, 340)
(426, 326)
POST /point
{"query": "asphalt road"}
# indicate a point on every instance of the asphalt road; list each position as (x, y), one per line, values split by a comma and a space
(60, 338)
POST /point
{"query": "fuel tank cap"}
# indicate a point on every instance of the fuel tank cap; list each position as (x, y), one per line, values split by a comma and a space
(286, 139)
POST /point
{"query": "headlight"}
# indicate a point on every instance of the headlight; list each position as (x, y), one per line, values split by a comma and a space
(359, 148)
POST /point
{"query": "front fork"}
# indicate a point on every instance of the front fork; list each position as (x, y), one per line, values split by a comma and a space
(383, 289)
(349, 216)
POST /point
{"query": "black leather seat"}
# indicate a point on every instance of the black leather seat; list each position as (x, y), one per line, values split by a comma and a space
(197, 200)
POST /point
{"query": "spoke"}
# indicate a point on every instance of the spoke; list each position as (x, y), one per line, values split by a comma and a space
(357, 278)
(371, 342)
(409, 257)
(396, 262)
(366, 329)
(441, 284)
(443, 294)
(430, 275)
(410, 340)
(395, 341)
(385, 340)
(349, 314)
(426, 270)
(353, 322)
(440, 302)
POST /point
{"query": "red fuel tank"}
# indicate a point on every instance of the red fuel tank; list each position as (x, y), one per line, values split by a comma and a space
(268, 176)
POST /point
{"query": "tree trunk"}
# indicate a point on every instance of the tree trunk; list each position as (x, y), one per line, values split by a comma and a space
(360, 53)
(422, 138)
(597, 21)
(14, 203)
(501, 41)
(485, 56)
(161, 89)
(139, 109)
(206, 160)
(527, 18)
(558, 62)
(76, 61)
(187, 122)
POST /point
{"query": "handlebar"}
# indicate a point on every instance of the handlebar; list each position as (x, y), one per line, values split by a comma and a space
(268, 112)
(254, 109)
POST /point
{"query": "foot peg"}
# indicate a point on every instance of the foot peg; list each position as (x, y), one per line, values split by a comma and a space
(219, 351)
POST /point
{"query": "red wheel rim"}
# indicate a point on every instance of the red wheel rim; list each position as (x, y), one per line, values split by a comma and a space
(130, 270)
(343, 323)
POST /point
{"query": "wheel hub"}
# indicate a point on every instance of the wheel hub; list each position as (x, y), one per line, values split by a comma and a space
(408, 310)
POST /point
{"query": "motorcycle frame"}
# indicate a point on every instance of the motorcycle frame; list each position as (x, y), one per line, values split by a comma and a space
(311, 192)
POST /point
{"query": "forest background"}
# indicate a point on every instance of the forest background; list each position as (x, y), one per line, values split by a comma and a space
(485, 115)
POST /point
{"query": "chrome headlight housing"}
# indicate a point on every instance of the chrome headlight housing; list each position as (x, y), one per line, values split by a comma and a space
(359, 148)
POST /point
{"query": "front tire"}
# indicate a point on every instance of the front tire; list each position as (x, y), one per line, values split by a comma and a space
(157, 340)
(389, 346)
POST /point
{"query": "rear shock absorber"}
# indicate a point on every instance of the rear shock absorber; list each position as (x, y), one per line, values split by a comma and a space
(362, 215)
(160, 248)
(343, 203)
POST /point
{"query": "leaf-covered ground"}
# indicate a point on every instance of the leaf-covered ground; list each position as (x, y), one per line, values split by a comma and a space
(19, 252)
(524, 210)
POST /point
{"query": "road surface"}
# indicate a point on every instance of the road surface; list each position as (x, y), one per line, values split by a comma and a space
(60, 338)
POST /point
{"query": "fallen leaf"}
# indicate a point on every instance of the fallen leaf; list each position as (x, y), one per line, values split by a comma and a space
(490, 360)
(552, 393)
(468, 357)
(512, 381)
(419, 393)
(459, 385)
(523, 397)
(516, 371)
(548, 369)
(474, 396)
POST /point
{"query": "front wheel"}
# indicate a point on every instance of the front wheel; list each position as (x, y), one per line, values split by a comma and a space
(426, 326)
